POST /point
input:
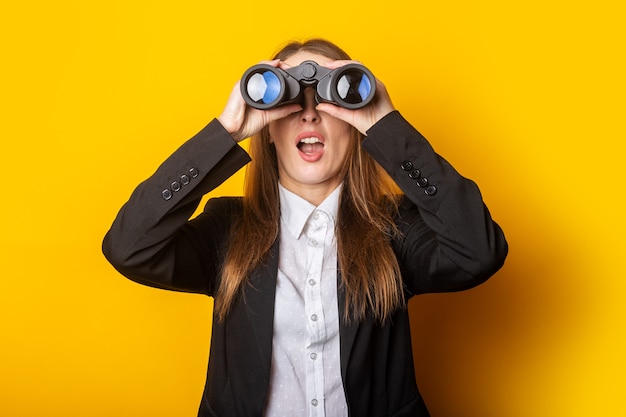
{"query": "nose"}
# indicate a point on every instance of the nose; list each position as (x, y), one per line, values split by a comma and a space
(309, 113)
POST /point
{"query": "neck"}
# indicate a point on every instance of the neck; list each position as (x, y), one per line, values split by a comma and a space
(313, 193)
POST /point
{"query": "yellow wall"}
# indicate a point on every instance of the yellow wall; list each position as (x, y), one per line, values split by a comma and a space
(526, 97)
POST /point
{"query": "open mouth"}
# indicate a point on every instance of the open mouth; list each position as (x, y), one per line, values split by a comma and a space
(310, 145)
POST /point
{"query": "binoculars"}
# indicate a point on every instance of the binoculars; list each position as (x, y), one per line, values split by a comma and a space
(351, 86)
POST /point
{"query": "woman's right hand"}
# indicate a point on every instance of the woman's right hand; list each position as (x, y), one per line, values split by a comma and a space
(364, 118)
(243, 121)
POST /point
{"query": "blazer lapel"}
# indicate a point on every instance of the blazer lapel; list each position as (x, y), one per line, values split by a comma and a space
(260, 296)
(347, 331)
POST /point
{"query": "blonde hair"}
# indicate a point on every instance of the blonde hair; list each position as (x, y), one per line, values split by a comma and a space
(368, 203)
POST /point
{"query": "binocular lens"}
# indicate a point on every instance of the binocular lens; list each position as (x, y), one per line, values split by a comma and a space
(354, 86)
(263, 87)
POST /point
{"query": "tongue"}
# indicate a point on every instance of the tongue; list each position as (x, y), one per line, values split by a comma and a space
(311, 148)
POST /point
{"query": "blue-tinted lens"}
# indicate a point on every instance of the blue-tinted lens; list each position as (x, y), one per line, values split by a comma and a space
(263, 87)
(273, 87)
(354, 87)
(365, 87)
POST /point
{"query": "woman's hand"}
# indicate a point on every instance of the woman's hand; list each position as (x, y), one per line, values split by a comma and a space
(243, 121)
(365, 117)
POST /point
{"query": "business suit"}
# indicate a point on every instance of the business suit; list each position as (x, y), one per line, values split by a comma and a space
(448, 243)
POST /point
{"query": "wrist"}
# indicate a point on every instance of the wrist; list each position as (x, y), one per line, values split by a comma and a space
(229, 127)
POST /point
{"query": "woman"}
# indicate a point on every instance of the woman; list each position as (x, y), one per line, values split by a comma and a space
(346, 215)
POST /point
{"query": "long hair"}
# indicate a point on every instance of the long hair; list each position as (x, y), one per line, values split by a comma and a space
(365, 226)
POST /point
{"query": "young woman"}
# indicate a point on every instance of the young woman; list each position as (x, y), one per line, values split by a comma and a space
(346, 215)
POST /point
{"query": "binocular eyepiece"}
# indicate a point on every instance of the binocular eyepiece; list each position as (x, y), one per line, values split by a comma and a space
(351, 86)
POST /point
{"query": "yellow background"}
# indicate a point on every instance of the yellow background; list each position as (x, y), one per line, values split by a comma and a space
(525, 97)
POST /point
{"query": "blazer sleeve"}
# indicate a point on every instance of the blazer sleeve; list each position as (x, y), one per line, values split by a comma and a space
(448, 241)
(151, 240)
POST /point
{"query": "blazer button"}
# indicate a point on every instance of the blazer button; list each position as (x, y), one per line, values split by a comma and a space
(422, 182)
(407, 166)
(175, 186)
(415, 174)
(184, 179)
(193, 172)
(430, 190)
(166, 194)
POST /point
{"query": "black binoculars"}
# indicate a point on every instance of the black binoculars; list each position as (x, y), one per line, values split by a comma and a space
(351, 86)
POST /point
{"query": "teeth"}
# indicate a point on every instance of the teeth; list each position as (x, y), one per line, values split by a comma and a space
(310, 140)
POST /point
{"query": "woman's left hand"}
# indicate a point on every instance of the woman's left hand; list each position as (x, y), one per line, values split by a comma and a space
(364, 118)
(242, 121)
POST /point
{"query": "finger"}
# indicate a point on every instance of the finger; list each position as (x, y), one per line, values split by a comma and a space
(360, 119)
(274, 62)
(283, 65)
(282, 111)
(337, 112)
(233, 112)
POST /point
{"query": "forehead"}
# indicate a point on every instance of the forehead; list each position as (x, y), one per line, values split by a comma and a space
(301, 56)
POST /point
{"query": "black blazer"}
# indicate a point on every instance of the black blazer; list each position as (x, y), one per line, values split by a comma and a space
(449, 242)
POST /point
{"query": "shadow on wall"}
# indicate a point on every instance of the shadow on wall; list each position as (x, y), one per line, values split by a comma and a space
(506, 338)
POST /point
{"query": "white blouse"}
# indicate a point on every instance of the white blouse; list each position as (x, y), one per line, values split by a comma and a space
(306, 368)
